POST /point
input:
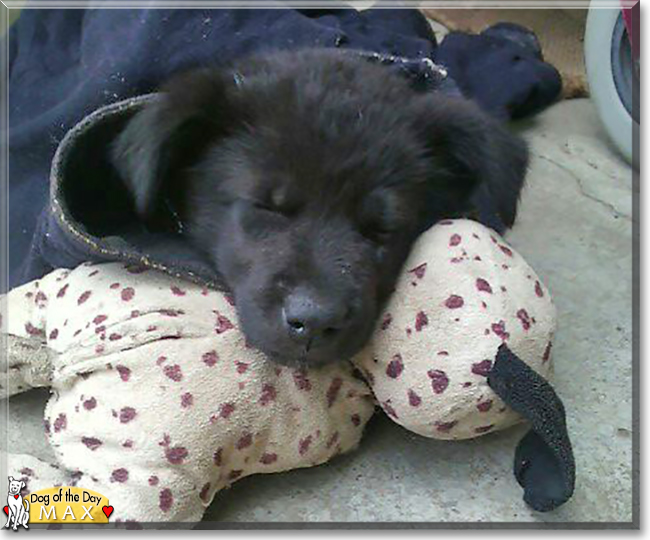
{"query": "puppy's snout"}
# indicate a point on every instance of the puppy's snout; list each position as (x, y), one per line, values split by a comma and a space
(310, 320)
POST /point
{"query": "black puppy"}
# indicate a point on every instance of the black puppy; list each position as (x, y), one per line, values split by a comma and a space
(306, 177)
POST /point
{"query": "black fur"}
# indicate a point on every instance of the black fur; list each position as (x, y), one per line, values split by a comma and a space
(306, 177)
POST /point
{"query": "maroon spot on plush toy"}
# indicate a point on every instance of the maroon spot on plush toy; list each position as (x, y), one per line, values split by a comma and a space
(439, 380)
(547, 353)
(467, 384)
(187, 400)
(386, 322)
(332, 440)
(90, 404)
(244, 441)
(120, 475)
(115, 337)
(419, 270)
(233, 475)
(171, 312)
(421, 320)
(389, 409)
(456, 260)
(226, 409)
(395, 367)
(99, 319)
(484, 406)
(176, 455)
(500, 330)
(127, 444)
(114, 286)
(414, 399)
(127, 414)
(153, 480)
(54, 334)
(522, 315)
(477, 258)
(483, 429)
(60, 423)
(443, 353)
(124, 372)
(333, 390)
(506, 250)
(165, 499)
(33, 331)
(454, 302)
(242, 367)
(210, 358)
(62, 291)
(454, 240)
(205, 492)
(173, 372)
(268, 458)
(300, 379)
(482, 368)
(100, 329)
(177, 291)
(91, 442)
(223, 324)
(445, 427)
(161, 360)
(83, 297)
(483, 286)
(217, 457)
(304, 444)
(538, 289)
(127, 294)
(40, 299)
(268, 394)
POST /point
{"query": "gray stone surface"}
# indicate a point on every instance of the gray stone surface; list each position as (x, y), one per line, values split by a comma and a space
(575, 229)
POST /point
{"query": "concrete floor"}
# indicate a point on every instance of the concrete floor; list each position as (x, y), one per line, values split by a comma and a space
(575, 229)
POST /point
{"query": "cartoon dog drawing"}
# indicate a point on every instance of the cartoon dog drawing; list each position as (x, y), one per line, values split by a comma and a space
(17, 510)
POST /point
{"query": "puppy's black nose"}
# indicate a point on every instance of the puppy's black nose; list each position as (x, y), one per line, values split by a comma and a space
(308, 318)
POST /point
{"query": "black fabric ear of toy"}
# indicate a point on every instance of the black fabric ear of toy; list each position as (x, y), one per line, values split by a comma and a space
(544, 464)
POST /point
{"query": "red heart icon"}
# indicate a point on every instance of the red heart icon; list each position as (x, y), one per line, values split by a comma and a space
(6, 509)
(108, 510)
(16, 496)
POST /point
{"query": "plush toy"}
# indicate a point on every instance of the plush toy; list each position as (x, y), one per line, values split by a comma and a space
(157, 403)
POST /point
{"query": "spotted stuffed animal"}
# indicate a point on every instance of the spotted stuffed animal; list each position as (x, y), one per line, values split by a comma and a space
(157, 403)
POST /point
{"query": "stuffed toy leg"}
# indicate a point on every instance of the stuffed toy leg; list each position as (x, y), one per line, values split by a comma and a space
(157, 403)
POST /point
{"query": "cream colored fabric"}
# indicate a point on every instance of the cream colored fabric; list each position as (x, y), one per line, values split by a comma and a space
(463, 293)
(157, 403)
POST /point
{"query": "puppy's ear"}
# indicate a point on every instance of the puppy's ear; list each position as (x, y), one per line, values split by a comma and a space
(171, 132)
(476, 161)
(22, 485)
(11, 478)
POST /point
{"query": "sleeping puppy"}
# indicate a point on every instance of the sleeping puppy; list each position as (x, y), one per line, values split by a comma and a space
(305, 177)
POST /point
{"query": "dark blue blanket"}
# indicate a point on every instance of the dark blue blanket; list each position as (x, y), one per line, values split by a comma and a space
(66, 63)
